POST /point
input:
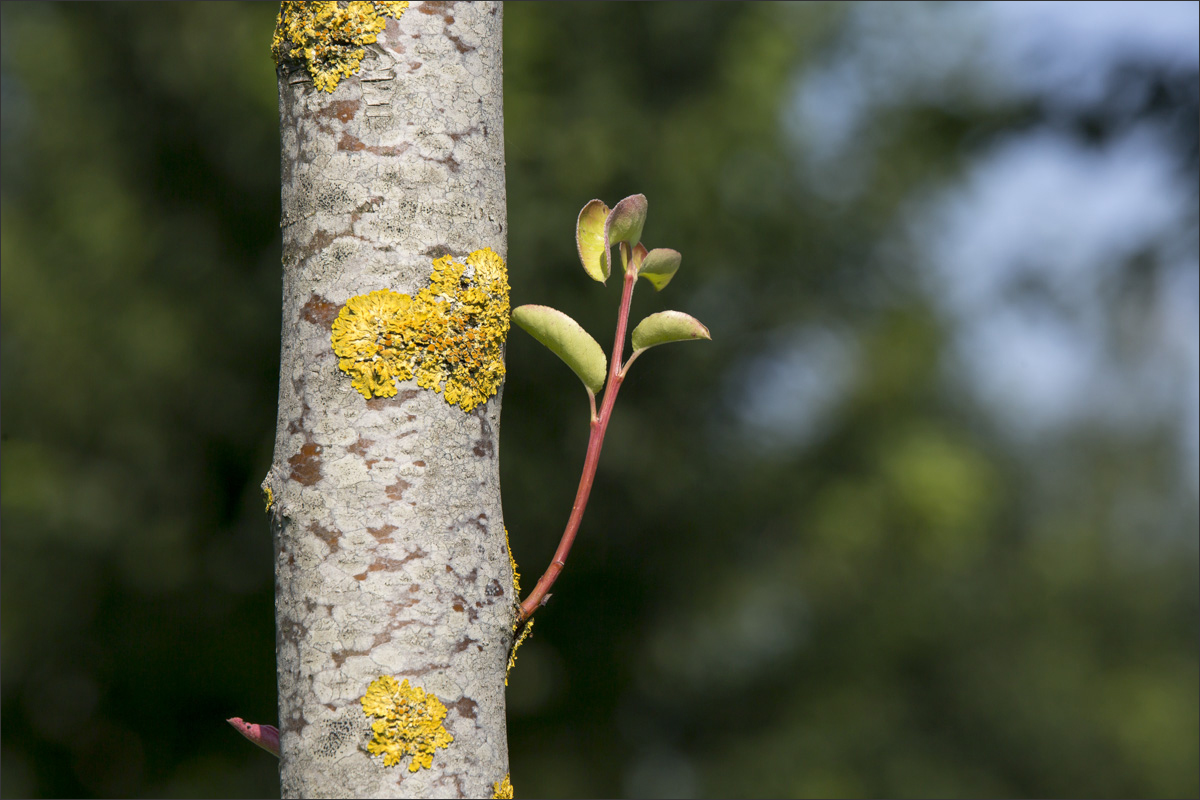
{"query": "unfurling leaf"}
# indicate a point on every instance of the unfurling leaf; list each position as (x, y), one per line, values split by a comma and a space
(639, 253)
(659, 266)
(625, 221)
(589, 240)
(667, 326)
(568, 340)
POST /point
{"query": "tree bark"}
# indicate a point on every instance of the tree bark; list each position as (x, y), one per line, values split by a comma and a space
(391, 558)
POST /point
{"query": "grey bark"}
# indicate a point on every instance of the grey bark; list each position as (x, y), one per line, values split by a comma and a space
(390, 546)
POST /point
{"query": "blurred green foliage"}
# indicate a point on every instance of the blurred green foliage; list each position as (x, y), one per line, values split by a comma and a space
(906, 604)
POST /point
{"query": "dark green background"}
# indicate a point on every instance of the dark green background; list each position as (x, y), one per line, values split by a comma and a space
(910, 602)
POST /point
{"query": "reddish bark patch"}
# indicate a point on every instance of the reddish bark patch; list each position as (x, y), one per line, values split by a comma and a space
(484, 448)
(359, 448)
(449, 162)
(342, 109)
(460, 605)
(319, 312)
(400, 399)
(462, 46)
(396, 490)
(435, 7)
(327, 535)
(320, 240)
(464, 643)
(466, 707)
(306, 466)
(339, 656)
(390, 564)
(351, 143)
(383, 533)
(418, 463)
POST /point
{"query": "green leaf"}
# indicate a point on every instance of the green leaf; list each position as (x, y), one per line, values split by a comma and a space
(667, 326)
(659, 266)
(625, 222)
(589, 240)
(568, 340)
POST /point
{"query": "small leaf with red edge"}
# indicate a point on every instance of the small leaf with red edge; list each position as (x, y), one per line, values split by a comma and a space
(625, 222)
(659, 266)
(589, 240)
(665, 327)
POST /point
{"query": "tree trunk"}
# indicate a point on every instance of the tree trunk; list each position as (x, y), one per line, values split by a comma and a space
(391, 557)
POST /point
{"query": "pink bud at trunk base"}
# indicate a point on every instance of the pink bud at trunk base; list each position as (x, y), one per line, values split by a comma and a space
(265, 736)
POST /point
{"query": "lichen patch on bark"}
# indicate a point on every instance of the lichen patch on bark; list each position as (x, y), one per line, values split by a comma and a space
(502, 790)
(408, 722)
(450, 336)
(329, 38)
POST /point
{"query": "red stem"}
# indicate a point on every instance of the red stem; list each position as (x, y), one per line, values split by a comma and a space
(595, 441)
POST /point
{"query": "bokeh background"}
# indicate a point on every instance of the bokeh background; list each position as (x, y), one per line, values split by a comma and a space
(921, 520)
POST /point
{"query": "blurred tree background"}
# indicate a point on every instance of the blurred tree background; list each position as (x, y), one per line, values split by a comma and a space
(921, 520)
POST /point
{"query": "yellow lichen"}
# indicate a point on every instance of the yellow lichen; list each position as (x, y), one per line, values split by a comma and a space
(449, 336)
(516, 575)
(502, 790)
(409, 723)
(512, 657)
(329, 36)
(268, 496)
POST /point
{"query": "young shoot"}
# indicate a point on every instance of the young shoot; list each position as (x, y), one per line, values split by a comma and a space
(597, 231)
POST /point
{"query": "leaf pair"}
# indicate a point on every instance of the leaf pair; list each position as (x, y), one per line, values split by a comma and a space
(567, 339)
(599, 228)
